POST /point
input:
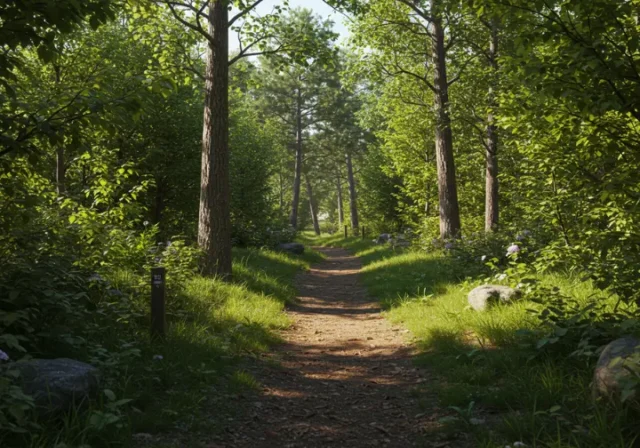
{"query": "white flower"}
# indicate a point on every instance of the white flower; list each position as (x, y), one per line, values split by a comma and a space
(3, 356)
(157, 357)
(513, 249)
(146, 223)
(484, 257)
(520, 286)
(502, 276)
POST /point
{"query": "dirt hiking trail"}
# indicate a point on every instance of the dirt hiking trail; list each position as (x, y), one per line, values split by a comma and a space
(345, 377)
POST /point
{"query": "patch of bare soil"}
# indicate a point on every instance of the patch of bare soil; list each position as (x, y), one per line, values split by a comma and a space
(345, 377)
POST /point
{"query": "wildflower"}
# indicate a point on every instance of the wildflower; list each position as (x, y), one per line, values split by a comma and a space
(3, 356)
(502, 276)
(146, 223)
(448, 246)
(484, 257)
(513, 249)
(158, 357)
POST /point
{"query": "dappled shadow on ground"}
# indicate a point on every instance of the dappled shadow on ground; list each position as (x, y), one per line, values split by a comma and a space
(344, 377)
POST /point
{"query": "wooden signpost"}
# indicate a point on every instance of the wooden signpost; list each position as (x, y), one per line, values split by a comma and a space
(158, 322)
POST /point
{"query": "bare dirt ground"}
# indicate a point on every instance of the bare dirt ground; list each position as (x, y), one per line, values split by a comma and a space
(345, 377)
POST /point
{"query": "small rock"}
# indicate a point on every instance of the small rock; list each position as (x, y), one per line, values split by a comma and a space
(484, 296)
(383, 238)
(293, 248)
(614, 369)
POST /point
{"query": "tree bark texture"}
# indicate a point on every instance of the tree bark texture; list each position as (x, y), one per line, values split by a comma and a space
(353, 200)
(491, 177)
(214, 224)
(340, 202)
(298, 168)
(313, 207)
(447, 189)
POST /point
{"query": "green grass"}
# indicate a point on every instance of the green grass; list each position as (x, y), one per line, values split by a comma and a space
(216, 330)
(537, 397)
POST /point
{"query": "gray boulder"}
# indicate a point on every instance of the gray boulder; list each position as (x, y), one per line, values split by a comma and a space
(293, 248)
(615, 369)
(384, 238)
(57, 384)
(484, 296)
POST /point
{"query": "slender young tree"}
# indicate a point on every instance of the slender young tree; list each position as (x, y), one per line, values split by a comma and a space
(491, 177)
(353, 199)
(313, 206)
(339, 198)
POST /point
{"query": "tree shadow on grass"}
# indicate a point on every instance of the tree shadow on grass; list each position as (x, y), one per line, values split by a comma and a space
(399, 278)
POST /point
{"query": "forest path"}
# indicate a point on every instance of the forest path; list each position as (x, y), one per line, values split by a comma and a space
(345, 376)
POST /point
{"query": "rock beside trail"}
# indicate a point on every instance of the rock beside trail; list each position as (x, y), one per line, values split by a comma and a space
(484, 296)
(293, 248)
(613, 372)
(57, 384)
(383, 238)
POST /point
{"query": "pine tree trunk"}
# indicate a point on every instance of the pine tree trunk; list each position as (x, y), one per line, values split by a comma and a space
(61, 171)
(298, 168)
(313, 207)
(353, 202)
(340, 202)
(214, 225)
(447, 190)
(491, 177)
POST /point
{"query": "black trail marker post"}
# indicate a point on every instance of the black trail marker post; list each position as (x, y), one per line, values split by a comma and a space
(345, 231)
(157, 303)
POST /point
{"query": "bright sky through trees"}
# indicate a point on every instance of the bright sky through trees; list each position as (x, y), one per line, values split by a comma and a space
(319, 7)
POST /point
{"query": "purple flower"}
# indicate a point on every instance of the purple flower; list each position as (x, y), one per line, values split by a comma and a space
(513, 249)
(3, 356)
(448, 246)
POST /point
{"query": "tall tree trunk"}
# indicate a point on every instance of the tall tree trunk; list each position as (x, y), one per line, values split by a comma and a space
(61, 171)
(313, 207)
(214, 226)
(298, 169)
(353, 202)
(447, 190)
(340, 202)
(491, 177)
